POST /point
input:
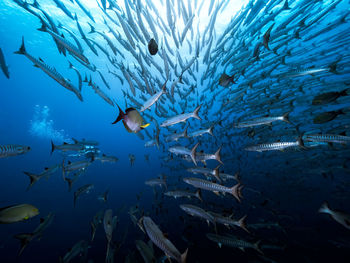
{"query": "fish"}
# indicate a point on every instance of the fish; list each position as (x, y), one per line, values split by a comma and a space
(203, 157)
(17, 213)
(146, 251)
(75, 51)
(3, 65)
(52, 72)
(79, 249)
(132, 120)
(109, 224)
(329, 138)
(158, 238)
(61, 6)
(202, 132)
(229, 221)
(154, 98)
(177, 136)
(48, 171)
(276, 146)
(157, 182)
(84, 189)
(262, 121)
(96, 221)
(184, 193)
(132, 159)
(327, 116)
(13, 150)
(214, 187)
(180, 150)
(66, 147)
(206, 171)
(225, 80)
(234, 242)
(339, 216)
(103, 197)
(182, 117)
(198, 212)
(328, 97)
(26, 238)
(105, 158)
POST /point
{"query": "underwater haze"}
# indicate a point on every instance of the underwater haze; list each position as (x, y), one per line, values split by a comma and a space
(174, 131)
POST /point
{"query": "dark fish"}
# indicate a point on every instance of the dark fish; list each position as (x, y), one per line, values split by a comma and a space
(225, 80)
(328, 97)
(132, 120)
(327, 116)
(152, 47)
(3, 65)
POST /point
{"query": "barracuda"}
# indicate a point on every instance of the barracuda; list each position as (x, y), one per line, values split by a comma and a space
(49, 71)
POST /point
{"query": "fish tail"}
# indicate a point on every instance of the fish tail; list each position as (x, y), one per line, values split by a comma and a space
(33, 179)
(285, 117)
(184, 256)
(216, 172)
(333, 66)
(195, 112)
(185, 132)
(120, 116)
(36, 4)
(232, 78)
(210, 131)
(92, 29)
(301, 142)
(218, 155)
(53, 147)
(242, 223)
(22, 49)
(43, 27)
(344, 92)
(199, 194)
(193, 153)
(286, 6)
(324, 208)
(24, 239)
(235, 191)
(257, 247)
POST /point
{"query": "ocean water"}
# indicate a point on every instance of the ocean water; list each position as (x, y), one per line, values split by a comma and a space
(282, 189)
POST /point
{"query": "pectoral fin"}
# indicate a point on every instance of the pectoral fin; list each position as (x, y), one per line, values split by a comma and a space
(144, 126)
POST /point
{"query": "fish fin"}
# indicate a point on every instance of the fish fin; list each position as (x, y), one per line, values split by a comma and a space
(217, 193)
(216, 173)
(43, 27)
(218, 156)
(195, 112)
(145, 125)
(24, 239)
(324, 208)
(52, 147)
(26, 218)
(22, 49)
(199, 194)
(235, 191)
(210, 131)
(242, 224)
(257, 247)
(193, 153)
(286, 117)
(120, 116)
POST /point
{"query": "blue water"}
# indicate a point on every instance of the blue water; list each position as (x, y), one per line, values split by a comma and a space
(35, 110)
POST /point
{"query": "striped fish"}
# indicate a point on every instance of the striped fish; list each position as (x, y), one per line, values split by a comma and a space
(13, 150)
(158, 238)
